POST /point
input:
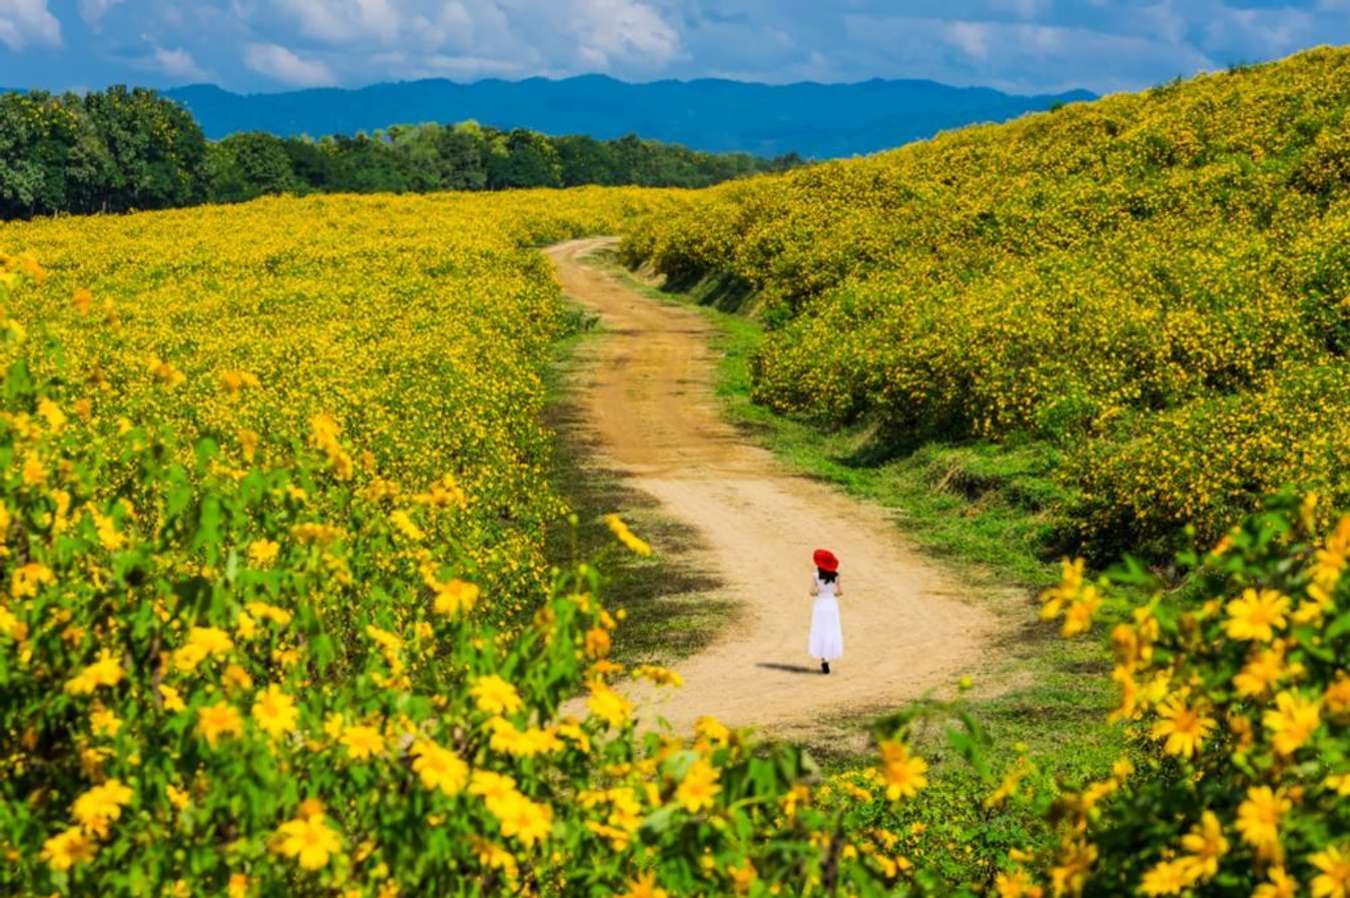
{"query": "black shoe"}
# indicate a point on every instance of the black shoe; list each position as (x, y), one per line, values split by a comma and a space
(824, 667)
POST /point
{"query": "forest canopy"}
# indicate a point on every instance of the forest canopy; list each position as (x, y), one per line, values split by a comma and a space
(130, 148)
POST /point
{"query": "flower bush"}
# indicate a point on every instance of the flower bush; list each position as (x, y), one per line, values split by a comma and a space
(1236, 690)
(1097, 277)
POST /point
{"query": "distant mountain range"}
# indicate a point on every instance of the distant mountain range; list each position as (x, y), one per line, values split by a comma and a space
(815, 120)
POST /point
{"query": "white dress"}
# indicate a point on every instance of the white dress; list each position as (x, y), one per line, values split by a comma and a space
(827, 639)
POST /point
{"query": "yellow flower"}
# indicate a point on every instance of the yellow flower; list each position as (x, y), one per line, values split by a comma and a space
(644, 887)
(1331, 560)
(235, 677)
(1011, 779)
(104, 722)
(439, 768)
(743, 876)
(904, 775)
(1016, 885)
(523, 820)
(1262, 670)
(390, 642)
(1257, 615)
(1334, 879)
(309, 840)
(1258, 819)
(237, 886)
(234, 381)
(608, 705)
(1292, 723)
(262, 552)
(179, 798)
(493, 695)
(521, 743)
(106, 671)
(1184, 728)
(67, 849)
(404, 524)
(710, 729)
(455, 597)
(33, 472)
(597, 643)
(1167, 878)
(699, 787)
(164, 372)
(658, 676)
(263, 611)
(220, 719)
(201, 643)
(1078, 617)
(99, 806)
(362, 742)
(491, 787)
(1337, 697)
(626, 536)
(1070, 873)
(1279, 885)
(1205, 844)
(173, 702)
(275, 712)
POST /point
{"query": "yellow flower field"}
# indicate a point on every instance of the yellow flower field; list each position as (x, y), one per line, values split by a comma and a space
(275, 618)
(417, 325)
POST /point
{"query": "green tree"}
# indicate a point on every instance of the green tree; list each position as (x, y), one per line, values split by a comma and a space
(529, 160)
(158, 151)
(313, 163)
(250, 165)
(364, 164)
(463, 153)
(586, 160)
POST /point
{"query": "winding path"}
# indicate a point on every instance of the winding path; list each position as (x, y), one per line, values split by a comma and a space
(647, 395)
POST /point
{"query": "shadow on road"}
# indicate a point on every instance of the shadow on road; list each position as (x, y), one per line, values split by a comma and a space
(789, 668)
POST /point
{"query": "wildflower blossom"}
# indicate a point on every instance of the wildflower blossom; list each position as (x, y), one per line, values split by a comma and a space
(1257, 615)
(904, 774)
(220, 719)
(68, 849)
(309, 840)
(1292, 722)
(1183, 727)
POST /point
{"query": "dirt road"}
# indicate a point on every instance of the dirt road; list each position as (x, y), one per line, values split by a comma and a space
(648, 396)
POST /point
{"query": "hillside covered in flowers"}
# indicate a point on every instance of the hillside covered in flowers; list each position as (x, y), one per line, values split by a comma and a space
(1153, 284)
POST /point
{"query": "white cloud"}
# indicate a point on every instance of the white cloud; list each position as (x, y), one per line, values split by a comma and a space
(1247, 35)
(176, 64)
(25, 23)
(1018, 56)
(460, 68)
(280, 64)
(971, 37)
(611, 31)
(346, 21)
(93, 11)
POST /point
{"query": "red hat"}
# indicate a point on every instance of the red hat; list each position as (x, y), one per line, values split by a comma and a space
(825, 560)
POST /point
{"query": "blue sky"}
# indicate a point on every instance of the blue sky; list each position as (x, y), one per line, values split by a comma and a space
(1017, 45)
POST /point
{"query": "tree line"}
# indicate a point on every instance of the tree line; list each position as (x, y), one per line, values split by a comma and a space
(130, 148)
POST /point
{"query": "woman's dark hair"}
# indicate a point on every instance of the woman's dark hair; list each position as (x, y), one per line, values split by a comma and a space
(827, 576)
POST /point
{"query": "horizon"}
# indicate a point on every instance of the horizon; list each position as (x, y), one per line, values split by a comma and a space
(1018, 47)
(593, 75)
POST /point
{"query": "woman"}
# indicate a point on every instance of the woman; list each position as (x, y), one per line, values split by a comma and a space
(827, 640)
